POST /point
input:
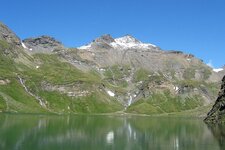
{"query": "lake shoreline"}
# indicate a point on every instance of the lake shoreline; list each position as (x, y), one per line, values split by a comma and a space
(172, 115)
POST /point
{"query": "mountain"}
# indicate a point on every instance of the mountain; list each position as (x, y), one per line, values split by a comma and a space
(217, 113)
(107, 75)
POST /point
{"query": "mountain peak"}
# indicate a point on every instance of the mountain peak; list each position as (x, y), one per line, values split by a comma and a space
(127, 39)
(124, 42)
(129, 42)
(43, 40)
(106, 38)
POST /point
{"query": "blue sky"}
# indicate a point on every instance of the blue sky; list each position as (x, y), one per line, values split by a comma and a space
(193, 26)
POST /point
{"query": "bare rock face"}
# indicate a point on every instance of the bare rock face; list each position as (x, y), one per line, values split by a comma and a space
(217, 113)
(7, 35)
(42, 44)
(10, 44)
(105, 38)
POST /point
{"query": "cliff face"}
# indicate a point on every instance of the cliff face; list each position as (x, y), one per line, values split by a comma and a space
(217, 113)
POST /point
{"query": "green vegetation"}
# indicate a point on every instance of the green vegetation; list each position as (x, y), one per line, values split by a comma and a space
(17, 99)
(190, 83)
(213, 88)
(165, 103)
(189, 73)
(116, 75)
(116, 72)
(143, 107)
(3, 45)
(55, 71)
(2, 103)
(93, 103)
(206, 73)
(62, 73)
(141, 75)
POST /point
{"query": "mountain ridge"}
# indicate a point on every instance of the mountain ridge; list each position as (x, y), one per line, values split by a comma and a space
(124, 42)
(126, 76)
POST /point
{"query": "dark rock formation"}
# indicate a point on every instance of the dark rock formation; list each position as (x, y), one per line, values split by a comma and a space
(44, 44)
(217, 113)
(105, 38)
(175, 52)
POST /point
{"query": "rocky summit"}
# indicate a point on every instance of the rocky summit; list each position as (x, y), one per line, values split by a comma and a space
(43, 44)
(107, 75)
(217, 113)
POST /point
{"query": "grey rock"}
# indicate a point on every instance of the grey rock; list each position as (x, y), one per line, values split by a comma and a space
(104, 39)
(42, 44)
(7, 35)
(175, 52)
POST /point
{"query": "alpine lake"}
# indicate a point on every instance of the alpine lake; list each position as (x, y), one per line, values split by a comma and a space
(107, 132)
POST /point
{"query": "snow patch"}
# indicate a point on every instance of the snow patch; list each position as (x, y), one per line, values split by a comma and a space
(37, 67)
(111, 93)
(101, 69)
(24, 46)
(218, 69)
(176, 88)
(30, 49)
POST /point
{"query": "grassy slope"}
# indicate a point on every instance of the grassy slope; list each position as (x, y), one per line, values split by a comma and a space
(14, 98)
(62, 73)
(166, 103)
(12, 95)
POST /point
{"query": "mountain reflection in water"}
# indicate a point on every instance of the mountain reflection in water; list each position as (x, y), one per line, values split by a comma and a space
(105, 132)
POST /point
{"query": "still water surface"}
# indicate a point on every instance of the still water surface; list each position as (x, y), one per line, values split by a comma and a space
(49, 132)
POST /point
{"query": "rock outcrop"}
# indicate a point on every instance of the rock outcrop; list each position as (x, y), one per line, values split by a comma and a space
(217, 113)
(42, 44)
(7, 35)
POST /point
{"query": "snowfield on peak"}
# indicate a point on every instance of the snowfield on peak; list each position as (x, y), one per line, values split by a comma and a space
(126, 42)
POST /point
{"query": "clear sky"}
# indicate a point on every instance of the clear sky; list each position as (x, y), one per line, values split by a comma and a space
(193, 26)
